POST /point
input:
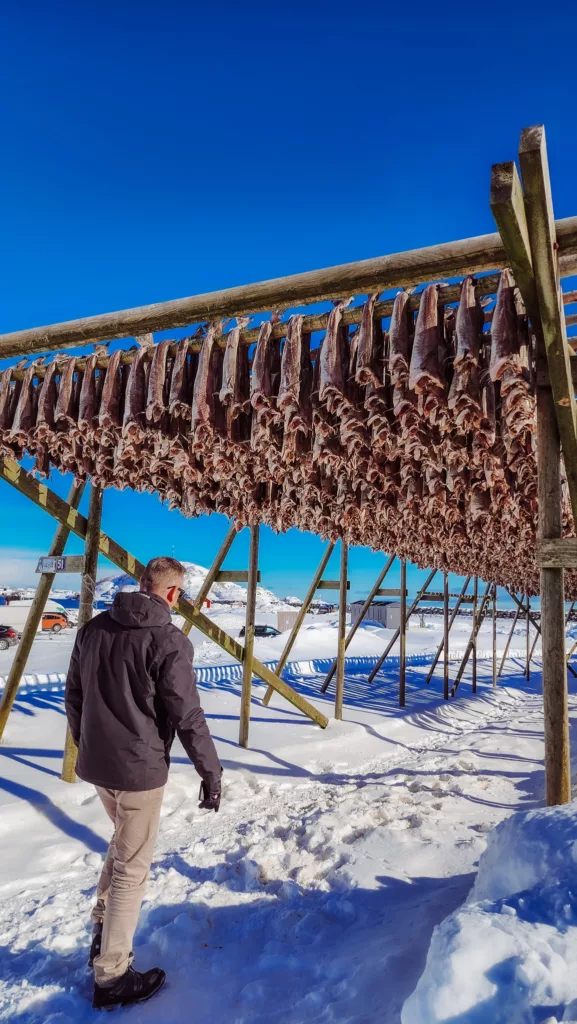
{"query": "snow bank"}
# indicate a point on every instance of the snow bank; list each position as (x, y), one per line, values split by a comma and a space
(509, 955)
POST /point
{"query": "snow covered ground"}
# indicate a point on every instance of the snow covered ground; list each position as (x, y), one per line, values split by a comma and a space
(313, 895)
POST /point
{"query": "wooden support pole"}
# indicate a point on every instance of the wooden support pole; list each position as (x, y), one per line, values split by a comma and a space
(403, 644)
(477, 623)
(86, 608)
(556, 428)
(59, 509)
(397, 632)
(556, 715)
(446, 636)
(474, 633)
(340, 685)
(528, 640)
(303, 610)
(509, 638)
(34, 616)
(247, 665)
(443, 646)
(494, 635)
(212, 573)
(355, 625)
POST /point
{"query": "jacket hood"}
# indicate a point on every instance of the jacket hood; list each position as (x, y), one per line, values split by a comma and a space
(140, 610)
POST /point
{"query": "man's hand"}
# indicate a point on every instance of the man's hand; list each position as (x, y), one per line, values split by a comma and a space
(209, 795)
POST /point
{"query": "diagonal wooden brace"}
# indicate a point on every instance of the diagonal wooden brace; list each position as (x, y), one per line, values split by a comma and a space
(59, 509)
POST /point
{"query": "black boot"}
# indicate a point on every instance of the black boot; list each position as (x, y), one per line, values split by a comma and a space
(132, 987)
(95, 947)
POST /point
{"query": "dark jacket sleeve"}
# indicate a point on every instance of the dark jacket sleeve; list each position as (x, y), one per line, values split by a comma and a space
(73, 696)
(176, 687)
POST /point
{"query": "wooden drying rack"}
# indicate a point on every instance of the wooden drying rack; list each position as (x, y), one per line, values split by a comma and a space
(540, 252)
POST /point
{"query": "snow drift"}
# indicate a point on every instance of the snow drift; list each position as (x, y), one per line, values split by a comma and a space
(509, 955)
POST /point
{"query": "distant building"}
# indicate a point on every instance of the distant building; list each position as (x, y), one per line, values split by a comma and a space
(387, 613)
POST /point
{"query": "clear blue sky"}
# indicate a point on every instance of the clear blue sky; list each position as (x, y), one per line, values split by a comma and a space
(156, 150)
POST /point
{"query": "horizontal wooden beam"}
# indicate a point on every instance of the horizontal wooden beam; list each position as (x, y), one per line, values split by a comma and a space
(432, 263)
(234, 576)
(558, 553)
(390, 592)
(60, 510)
(332, 585)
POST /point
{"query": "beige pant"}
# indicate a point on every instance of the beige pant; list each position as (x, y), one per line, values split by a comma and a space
(135, 817)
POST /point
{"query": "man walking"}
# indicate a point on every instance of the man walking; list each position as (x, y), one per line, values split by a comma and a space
(130, 687)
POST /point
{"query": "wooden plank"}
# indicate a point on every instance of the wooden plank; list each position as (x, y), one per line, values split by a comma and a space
(355, 625)
(86, 608)
(446, 636)
(59, 509)
(342, 629)
(474, 633)
(508, 207)
(557, 553)
(552, 595)
(34, 617)
(234, 576)
(302, 612)
(433, 263)
(541, 225)
(494, 635)
(397, 632)
(390, 592)
(332, 585)
(403, 636)
(247, 665)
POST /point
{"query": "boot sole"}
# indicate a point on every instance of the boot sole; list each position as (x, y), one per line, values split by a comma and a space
(133, 1002)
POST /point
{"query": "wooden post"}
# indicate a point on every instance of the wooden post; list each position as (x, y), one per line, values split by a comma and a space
(557, 763)
(212, 574)
(509, 638)
(355, 625)
(446, 635)
(340, 686)
(397, 632)
(301, 617)
(403, 644)
(34, 617)
(556, 426)
(474, 633)
(494, 635)
(528, 640)
(247, 664)
(442, 645)
(86, 605)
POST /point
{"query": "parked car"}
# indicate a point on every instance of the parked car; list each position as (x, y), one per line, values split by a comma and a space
(8, 637)
(263, 631)
(54, 621)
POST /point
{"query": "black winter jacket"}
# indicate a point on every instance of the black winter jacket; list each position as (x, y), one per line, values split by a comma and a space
(130, 687)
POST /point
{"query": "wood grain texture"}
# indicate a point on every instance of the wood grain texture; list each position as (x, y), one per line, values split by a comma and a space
(247, 665)
(557, 553)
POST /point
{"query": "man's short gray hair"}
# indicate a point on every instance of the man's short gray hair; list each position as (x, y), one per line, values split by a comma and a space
(162, 572)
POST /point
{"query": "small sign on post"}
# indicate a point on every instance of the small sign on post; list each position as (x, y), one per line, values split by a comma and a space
(61, 563)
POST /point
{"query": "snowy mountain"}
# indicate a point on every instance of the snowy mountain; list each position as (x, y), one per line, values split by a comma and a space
(223, 593)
